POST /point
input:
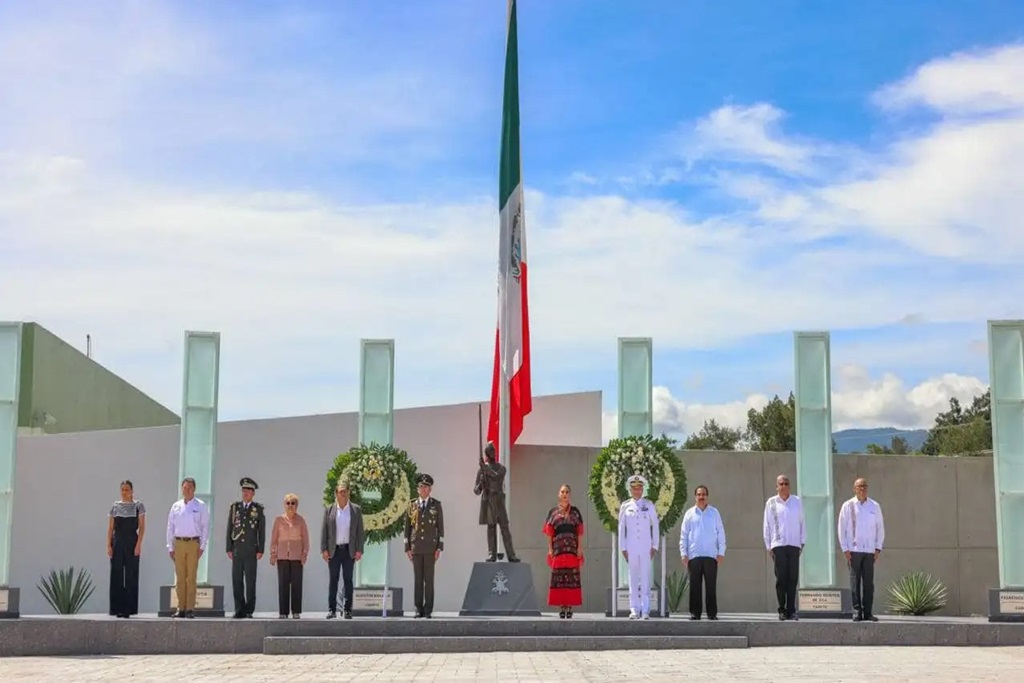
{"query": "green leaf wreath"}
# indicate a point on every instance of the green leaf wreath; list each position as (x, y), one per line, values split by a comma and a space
(656, 460)
(378, 468)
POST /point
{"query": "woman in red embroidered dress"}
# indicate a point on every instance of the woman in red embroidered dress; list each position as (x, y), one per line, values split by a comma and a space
(564, 529)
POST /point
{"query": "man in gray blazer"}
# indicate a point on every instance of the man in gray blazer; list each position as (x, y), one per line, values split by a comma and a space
(341, 544)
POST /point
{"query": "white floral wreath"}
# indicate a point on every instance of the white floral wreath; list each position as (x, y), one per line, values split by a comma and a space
(371, 473)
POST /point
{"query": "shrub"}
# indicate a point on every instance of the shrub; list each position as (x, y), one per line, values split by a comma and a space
(67, 591)
(675, 588)
(917, 594)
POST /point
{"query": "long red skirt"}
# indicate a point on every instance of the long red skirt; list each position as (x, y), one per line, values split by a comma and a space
(565, 588)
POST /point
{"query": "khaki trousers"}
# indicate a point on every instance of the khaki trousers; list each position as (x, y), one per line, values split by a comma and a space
(186, 568)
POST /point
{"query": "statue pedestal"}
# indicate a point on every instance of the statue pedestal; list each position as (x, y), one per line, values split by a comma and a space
(1006, 604)
(500, 589)
(209, 601)
(9, 602)
(826, 603)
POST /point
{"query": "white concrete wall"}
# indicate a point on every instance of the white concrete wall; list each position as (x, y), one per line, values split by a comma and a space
(65, 485)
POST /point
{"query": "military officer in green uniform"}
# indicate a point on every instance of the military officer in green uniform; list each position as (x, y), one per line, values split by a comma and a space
(247, 531)
(424, 541)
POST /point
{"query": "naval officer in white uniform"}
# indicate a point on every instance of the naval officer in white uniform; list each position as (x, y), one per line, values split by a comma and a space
(638, 540)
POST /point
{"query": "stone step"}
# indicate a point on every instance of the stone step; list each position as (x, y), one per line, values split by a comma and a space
(321, 645)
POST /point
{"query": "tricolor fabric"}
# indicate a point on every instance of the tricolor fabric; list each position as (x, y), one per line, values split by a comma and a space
(512, 342)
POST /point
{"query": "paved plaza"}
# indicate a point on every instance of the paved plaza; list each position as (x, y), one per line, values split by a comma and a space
(759, 664)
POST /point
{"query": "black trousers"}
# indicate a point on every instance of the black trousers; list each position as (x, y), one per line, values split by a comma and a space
(506, 539)
(289, 587)
(124, 579)
(343, 564)
(703, 570)
(423, 582)
(243, 580)
(862, 582)
(787, 575)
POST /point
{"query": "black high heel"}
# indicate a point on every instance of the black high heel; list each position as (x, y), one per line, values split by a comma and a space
(568, 613)
(561, 613)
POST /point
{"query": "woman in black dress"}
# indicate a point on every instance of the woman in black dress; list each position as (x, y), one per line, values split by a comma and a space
(126, 527)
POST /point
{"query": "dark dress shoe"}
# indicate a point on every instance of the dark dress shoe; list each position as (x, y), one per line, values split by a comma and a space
(857, 617)
(418, 615)
(514, 559)
(871, 617)
(348, 615)
(782, 616)
(332, 615)
(714, 618)
(428, 616)
(238, 615)
(491, 558)
(190, 614)
(694, 617)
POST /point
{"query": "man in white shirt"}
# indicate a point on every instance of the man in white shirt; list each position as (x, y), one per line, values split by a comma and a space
(861, 536)
(188, 529)
(784, 536)
(342, 541)
(702, 549)
(638, 539)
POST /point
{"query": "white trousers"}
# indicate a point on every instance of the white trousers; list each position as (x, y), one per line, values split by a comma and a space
(639, 580)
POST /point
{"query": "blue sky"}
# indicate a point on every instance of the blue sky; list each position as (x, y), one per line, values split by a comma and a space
(714, 175)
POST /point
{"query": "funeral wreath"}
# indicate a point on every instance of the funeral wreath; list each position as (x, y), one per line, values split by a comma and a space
(656, 460)
(381, 480)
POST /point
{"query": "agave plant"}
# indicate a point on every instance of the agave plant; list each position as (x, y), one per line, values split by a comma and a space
(67, 591)
(916, 593)
(675, 588)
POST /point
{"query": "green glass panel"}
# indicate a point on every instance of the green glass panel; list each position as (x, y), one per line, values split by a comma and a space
(814, 457)
(1006, 369)
(635, 409)
(1006, 361)
(376, 425)
(10, 364)
(199, 423)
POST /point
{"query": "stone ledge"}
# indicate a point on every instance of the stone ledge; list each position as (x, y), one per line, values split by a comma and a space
(298, 645)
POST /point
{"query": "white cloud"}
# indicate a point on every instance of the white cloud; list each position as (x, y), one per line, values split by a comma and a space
(977, 82)
(748, 134)
(858, 400)
(101, 240)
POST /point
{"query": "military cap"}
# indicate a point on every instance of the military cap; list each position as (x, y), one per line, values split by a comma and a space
(489, 449)
(425, 479)
(248, 483)
(636, 480)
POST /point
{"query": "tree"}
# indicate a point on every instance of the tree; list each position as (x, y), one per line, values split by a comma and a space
(714, 437)
(962, 431)
(897, 446)
(773, 428)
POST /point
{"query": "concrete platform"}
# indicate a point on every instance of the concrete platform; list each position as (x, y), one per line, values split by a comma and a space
(334, 645)
(104, 635)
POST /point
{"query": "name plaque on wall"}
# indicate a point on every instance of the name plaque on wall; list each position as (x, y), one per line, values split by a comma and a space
(204, 598)
(622, 600)
(1011, 602)
(820, 601)
(371, 599)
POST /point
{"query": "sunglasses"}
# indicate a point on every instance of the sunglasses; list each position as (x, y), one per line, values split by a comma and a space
(292, 503)
(783, 483)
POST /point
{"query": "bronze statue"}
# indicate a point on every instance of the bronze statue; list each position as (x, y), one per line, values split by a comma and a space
(490, 486)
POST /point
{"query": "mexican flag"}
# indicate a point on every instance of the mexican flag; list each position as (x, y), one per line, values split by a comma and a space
(512, 342)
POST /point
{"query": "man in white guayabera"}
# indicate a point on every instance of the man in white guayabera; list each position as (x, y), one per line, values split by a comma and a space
(638, 539)
(784, 536)
(861, 535)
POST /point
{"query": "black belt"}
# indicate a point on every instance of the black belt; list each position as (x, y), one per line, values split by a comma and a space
(186, 538)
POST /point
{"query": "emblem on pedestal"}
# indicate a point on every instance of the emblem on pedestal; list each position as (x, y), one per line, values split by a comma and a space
(499, 584)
